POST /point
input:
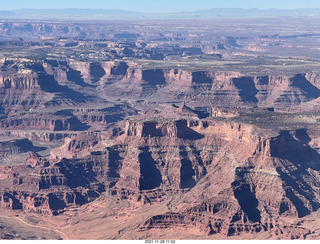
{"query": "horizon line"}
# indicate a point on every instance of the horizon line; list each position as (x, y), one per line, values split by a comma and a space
(162, 12)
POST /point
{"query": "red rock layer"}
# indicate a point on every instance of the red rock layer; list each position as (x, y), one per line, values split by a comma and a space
(227, 178)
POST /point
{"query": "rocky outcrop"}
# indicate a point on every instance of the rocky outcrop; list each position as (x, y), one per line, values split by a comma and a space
(34, 160)
(25, 85)
(265, 176)
(12, 147)
(103, 116)
(176, 129)
(43, 187)
(223, 113)
(221, 89)
(47, 122)
(184, 131)
(257, 175)
(28, 84)
(77, 146)
(47, 136)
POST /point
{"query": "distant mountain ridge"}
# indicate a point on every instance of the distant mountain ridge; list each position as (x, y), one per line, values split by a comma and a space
(4, 13)
(118, 14)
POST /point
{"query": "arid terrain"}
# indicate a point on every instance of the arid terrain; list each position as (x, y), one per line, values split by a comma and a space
(200, 129)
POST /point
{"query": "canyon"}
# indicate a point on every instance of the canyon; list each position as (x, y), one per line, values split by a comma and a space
(125, 130)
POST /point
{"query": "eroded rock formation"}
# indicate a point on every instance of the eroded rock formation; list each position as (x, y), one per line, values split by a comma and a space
(265, 178)
(211, 132)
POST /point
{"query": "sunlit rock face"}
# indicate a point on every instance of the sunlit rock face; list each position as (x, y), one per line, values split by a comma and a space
(129, 130)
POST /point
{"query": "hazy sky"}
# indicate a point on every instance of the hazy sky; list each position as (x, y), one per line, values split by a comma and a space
(158, 5)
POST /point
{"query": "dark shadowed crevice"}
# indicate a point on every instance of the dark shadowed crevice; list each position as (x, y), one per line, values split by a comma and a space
(77, 125)
(16, 204)
(245, 196)
(247, 89)
(283, 207)
(150, 177)
(114, 160)
(76, 77)
(80, 199)
(302, 189)
(149, 129)
(75, 174)
(201, 77)
(2, 112)
(154, 77)
(58, 125)
(47, 83)
(96, 72)
(184, 132)
(186, 174)
(186, 170)
(55, 203)
(262, 80)
(296, 151)
(303, 84)
(296, 201)
(247, 201)
(302, 136)
(120, 69)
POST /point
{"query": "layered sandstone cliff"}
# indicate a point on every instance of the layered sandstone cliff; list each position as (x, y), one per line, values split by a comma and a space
(28, 84)
(14, 146)
(266, 177)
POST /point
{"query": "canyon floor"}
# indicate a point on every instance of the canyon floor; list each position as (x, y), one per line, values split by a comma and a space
(204, 129)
